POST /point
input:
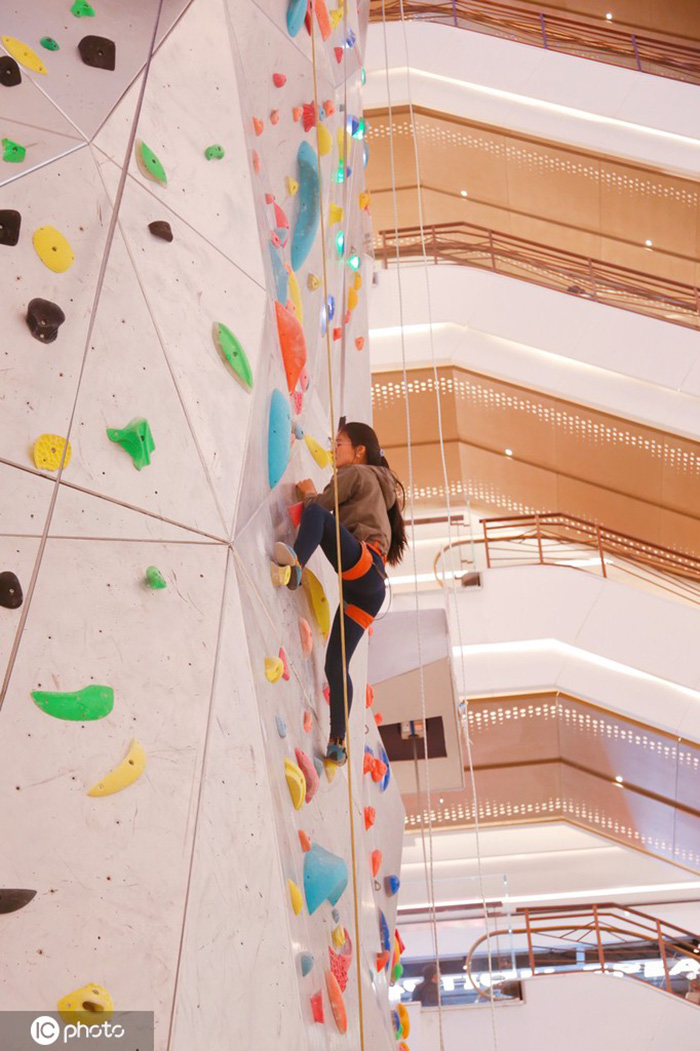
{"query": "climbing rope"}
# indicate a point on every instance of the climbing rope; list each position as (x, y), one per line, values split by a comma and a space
(353, 856)
(452, 592)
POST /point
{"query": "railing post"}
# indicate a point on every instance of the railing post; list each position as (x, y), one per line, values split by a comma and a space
(386, 260)
(530, 953)
(544, 31)
(493, 254)
(486, 546)
(636, 51)
(539, 539)
(434, 247)
(454, 11)
(591, 276)
(601, 953)
(600, 550)
(662, 951)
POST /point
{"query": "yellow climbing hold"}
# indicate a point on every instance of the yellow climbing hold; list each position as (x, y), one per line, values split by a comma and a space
(331, 770)
(295, 895)
(358, 282)
(295, 296)
(296, 783)
(352, 299)
(124, 773)
(325, 140)
(292, 185)
(335, 214)
(53, 249)
(320, 455)
(91, 1005)
(274, 669)
(335, 16)
(48, 450)
(312, 282)
(313, 589)
(338, 936)
(365, 199)
(23, 54)
(280, 575)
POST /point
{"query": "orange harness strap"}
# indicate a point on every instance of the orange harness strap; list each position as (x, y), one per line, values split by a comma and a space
(362, 566)
(359, 616)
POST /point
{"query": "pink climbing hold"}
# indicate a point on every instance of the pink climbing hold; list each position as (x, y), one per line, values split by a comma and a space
(256, 162)
(306, 636)
(279, 80)
(281, 220)
(275, 240)
(340, 965)
(369, 696)
(308, 721)
(283, 657)
(329, 107)
(304, 379)
(298, 401)
(317, 1007)
(269, 198)
(309, 771)
(370, 817)
(327, 694)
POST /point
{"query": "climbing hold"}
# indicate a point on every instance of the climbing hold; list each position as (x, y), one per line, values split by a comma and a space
(274, 116)
(306, 961)
(285, 665)
(12, 900)
(48, 451)
(309, 115)
(375, 861)
(214, 153)
(295, 896)
(258, 126)
(296, 13)
(309, 197)
(281, 726)
(304, 841)
(149, 163)
(281, 223)
(359, 343)
(88, 1005)
(297, 112)
(335, 214)
(297, 397)
(12, 152)
(382, 960)
(309, 771)
(82, 9)
(369, 696)
(331, 770)
(98, 52)
(279, 80)
(325, 877)
(278, 444)
(336, 17)
(337, 334)
(304, 380)
(396, 974)
(124, 774)
(378, 718)
(365, 198)
(340, 962)
(10, 75)
(274, 669)
(325, 140)
(317, 1007)
(53, 249)
(316, 597)
(296, 783)
(24, 55)
(378, 770)
(312, 282)
(233, 354)
(331, 307)
(280, 575)
(161, 228)
(391, 885)
(135, 439)
(292, 344)
(10, 225)
(279, 272)
(386, 778)
(49, 43)
(44, 318)
(338, 51)
(295, 296)
(318, 765)
(327, 694)
(337, 1003)
(308, 721)
(353, 299)
(306, 636)
(324, 22)
(357, 282)
(255, 157)
(338, 936)
(295, 512)
(321, 456)
(10, 590)
(370, 817)
(336, 915)
(404, 1019)
(155, 579)
(384, 935)
(291, 185)
(86, 705)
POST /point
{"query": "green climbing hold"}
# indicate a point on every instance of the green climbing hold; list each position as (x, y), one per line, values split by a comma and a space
(136, 439)
(149, 163)
(155, 579)
(86, 705)
(49, 43)
(232, 352)
(214, 153)
(82, 9)
(12, 152)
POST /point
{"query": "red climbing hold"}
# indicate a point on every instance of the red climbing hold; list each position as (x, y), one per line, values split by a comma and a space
(279, 80)
(304, 840)
(327, 694)
(375, 861)
(370, 816)
(295, 512)
(292, 345)
(382, 961)
(338, 54)
(369, 696)
(340, 965)
(337, 333)
(309, 115)
(378, 718)
(317, 1007)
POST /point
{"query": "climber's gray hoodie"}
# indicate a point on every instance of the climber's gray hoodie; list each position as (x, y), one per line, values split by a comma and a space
(364, 496)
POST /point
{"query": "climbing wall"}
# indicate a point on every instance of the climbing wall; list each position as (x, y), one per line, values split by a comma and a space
(166, 288)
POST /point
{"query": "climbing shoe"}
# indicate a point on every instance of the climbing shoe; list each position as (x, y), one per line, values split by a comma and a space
(286, 556)
(335, 753)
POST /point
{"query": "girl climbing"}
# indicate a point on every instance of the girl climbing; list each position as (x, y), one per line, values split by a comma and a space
(371, 534)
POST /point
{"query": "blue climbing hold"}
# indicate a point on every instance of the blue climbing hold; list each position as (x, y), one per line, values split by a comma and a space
(365, 153)
(280, 275)
(309, 213)
(384, 783)
(325, 877)
(391, 885)
(336, 915)
(384, 932)
(331, 307)
(296, 13)
(318, 763)
(278, 437)
(281, 726)
(306, 960)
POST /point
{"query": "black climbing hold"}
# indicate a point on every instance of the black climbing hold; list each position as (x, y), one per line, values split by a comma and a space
(161, 229)
(44, 319)
(98, 51)
(10, 222)
(10, 590)
(12, 900)
(10, 75)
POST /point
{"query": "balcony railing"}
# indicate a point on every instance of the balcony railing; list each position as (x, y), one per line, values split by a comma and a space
(465, 244)
(549, 30)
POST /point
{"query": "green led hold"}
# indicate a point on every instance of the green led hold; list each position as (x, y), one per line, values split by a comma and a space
(363, 76)
(155, 579)
(82, 9)
(214, 153)
(232, 352)
(149, 164)
(12, 152)
(86, 705)
(49, 43)
(136, 439)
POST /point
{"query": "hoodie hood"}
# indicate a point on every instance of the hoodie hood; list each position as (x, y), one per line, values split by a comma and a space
(386, 481)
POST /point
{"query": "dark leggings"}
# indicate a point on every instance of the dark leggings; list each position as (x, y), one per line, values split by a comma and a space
(367, 593)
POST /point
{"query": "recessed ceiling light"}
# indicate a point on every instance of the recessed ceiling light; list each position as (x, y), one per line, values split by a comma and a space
(464, 193)
(619, 780)
(609, 16)
(508, 452)
(442, 800)
(648, 243)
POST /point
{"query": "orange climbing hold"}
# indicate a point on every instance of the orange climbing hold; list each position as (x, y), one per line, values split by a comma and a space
(274, 116)
(378, 718)
(337, 333)
(369, 696)
(306, 636)
(337, 1003)
(378, 770)
(285, 664)
(292, 345)
(370, 817)
(324, 22)
(258, 126)
(308, 721)
(375, 861)
(360, 342)
(297, 112)
(256, 162)
(382, 960)
(304, 841)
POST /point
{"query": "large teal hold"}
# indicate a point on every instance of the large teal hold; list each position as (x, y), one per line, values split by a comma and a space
(279, 272)
(309, 196)
(296, 13)
(279, 435)
(325, 877)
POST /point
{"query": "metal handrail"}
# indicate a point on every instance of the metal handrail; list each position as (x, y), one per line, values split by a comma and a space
(466, 244)
(574, 925)
(549, 30)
